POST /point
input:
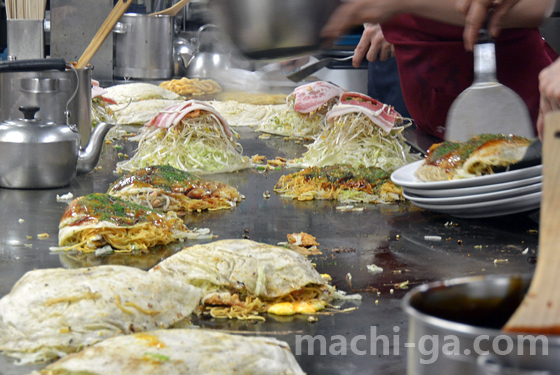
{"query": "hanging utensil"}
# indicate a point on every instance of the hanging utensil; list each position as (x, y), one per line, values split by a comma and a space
(540, 310)
(172, 11)
(487, 106)
(103, 31)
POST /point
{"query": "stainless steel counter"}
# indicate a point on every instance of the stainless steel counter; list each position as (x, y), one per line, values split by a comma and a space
(392, 237)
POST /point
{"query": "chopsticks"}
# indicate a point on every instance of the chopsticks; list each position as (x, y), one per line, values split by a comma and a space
(26, 9)
(104, 30)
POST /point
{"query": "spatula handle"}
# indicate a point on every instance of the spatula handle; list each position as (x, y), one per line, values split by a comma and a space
(484, 57)
(483, 33)
(549, 231)
(540, 310)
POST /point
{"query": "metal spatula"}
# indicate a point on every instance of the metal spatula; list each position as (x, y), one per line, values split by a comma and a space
(487, 106)
(312, 68)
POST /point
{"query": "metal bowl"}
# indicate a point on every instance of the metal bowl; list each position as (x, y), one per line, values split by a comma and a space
(270, 29)
(470, 312)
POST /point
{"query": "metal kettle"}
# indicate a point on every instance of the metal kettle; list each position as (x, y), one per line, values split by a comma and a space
(206, 58)
(40, 154)
(183, 53)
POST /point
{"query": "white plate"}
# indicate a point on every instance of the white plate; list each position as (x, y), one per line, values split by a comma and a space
(488, 209)
(474, 198)
(462, 192)
(405, 177)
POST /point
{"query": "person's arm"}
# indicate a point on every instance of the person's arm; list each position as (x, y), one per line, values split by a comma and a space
(549, 87)
(476, 11)
(526, 13)
(372, 46)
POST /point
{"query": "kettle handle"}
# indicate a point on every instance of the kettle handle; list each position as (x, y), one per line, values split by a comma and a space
(67, 112)
(32, 65)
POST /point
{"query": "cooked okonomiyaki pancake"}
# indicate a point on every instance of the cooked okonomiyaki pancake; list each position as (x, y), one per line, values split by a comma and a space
(52, 312)
(180, 352)
(137, 113)
(165, 188)
(138, 91)
(97, 220)
(243, 114)
(478, 156)
(242, 278)
(254, 98)
(340, 182)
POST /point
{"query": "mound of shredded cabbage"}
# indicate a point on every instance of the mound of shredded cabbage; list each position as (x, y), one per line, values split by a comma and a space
(197, 145)
(290, 123)
(353, 139)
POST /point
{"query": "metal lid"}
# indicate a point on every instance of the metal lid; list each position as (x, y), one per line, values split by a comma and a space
(28, 117)
(34, 130)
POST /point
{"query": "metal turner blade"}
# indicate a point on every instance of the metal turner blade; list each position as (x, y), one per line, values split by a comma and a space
(487, 106)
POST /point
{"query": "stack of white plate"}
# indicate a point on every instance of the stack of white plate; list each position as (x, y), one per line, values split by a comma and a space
(485, 196)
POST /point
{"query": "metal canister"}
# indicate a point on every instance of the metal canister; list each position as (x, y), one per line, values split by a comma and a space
(455, 328)
(62, 96)
(144, 46)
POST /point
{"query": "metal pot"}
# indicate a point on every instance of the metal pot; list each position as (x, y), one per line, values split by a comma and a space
(63, 95)
(455, 329)
(144, 46)
(39, 154)
(268, 29)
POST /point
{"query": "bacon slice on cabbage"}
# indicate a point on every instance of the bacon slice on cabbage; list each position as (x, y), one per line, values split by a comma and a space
(306, 109)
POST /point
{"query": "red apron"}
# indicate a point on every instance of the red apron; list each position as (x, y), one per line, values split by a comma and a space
(434, 67)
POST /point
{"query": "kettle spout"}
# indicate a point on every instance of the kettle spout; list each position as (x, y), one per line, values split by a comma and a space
(89, 156)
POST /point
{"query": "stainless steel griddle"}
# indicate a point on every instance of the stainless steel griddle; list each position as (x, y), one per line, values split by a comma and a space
(390, 236)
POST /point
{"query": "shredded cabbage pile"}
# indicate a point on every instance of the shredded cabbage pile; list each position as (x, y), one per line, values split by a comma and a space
(290, 123)
(353, 139)
(197, 145)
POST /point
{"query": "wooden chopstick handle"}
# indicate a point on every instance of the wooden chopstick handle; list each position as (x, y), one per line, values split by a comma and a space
(103, 31)
(172, 11)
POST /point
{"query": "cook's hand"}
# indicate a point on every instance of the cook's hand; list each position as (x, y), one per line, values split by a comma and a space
(476, 11)
(373, 46)
(549, 86)
(357, 12)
